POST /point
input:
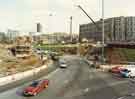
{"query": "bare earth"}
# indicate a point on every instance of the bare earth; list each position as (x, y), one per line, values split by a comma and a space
(9, 64)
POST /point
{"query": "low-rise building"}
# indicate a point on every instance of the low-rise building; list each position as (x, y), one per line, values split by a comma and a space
(12, 34)
(3, 37)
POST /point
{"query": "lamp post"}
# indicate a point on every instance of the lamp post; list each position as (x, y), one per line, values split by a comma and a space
(71, 18)
(103, 30)
(50, 36)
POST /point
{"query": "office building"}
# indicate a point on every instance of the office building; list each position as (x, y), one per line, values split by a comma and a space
(130, 28)
(116, 29)
(39, 27)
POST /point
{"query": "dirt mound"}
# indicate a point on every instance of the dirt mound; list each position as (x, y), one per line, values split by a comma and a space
(115, 56)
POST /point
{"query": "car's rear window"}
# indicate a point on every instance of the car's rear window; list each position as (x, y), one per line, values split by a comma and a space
(34, 84)
(62, 61)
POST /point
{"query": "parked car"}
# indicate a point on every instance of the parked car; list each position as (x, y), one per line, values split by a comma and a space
(125, 73)
(36, 87)
(128, 72)
(116, 69)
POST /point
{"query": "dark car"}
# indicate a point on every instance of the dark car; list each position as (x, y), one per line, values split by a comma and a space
(36, 87)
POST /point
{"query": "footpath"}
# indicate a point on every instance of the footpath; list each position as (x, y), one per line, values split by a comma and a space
(106, 67)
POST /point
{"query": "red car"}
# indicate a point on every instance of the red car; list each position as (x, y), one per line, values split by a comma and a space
(36, 87)
(116, 69)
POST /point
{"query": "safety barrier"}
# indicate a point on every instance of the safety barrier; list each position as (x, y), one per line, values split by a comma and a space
(107, 67)
(19, 76)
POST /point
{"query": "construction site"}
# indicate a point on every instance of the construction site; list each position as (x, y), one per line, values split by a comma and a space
(18, 57)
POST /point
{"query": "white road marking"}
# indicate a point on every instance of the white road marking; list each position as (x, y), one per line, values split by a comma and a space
(121, 98)
(117, 83)
(86, 90)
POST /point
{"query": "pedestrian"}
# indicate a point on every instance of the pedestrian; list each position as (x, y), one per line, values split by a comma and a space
(13, 51)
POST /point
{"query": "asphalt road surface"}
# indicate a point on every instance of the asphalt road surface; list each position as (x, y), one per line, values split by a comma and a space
(58, 80)
(96, 84)
(78, 81)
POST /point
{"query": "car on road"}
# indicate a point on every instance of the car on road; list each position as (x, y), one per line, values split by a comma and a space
(36, 87)
(62, 64)
(125, 73)
(38, 50)
(116, 69)
(91, 63)
(54, 56)
(128, 73)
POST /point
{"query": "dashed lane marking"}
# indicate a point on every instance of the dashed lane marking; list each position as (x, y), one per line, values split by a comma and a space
(86, 90)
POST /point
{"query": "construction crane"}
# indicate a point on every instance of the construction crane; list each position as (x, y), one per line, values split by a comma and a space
(82, 49)
(80, 7)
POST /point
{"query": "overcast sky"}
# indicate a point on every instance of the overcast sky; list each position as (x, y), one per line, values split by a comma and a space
(54, 14)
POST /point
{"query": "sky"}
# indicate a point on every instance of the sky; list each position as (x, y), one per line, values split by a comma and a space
(54, 15)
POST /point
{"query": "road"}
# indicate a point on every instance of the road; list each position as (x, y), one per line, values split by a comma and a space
(96, 84)
(58, 79)
(78, 81)
(51, 67)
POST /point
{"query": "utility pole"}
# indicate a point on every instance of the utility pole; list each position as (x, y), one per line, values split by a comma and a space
(71, 19)
(103, 30)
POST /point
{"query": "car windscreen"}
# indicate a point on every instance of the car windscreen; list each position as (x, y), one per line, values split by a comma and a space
(34, 84)
(62, 62)
(126, 70)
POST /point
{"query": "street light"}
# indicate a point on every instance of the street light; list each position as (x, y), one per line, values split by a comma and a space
(103, 30)
(71, 18)
(51, 15)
